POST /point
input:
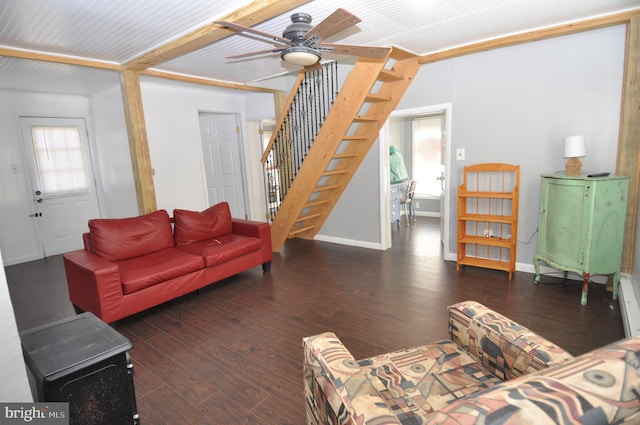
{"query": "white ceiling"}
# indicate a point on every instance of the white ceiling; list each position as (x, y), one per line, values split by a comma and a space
(120, 30)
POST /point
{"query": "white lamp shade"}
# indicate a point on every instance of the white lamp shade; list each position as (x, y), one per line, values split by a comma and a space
(574, 147)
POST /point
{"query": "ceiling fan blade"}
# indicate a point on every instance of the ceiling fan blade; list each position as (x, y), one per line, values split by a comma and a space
(254, 53)
(338, 21)
(365, 51)
(242, 28)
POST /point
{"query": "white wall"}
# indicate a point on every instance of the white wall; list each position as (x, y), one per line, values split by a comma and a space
(17, 231)
(112, 150)
(173, 132)
(355, 219)
(516, 105)
(13, 373)
(512, 105)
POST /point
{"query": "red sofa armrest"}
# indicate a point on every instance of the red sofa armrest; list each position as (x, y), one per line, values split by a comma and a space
(94, 284)
(257, 229)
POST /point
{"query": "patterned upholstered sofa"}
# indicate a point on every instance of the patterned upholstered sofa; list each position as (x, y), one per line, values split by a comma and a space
(492, 371)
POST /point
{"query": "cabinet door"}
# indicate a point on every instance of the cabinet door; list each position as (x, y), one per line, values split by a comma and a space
(607, 227)
(562, 206)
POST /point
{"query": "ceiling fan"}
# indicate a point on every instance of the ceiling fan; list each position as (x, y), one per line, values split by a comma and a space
(301, 43)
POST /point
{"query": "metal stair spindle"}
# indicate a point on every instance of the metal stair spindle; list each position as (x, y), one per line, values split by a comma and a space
(292, 140)
(370, 93)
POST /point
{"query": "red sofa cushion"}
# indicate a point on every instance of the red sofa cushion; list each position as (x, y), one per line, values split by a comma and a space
(116, 239)
(223, 248)
(141, 272)
(194, 226)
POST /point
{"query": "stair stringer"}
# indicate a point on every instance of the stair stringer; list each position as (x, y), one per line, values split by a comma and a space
(349, 131)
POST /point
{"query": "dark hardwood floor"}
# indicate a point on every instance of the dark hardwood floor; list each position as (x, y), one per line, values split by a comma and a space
(233, 355)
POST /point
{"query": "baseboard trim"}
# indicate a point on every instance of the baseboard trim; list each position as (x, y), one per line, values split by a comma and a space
(426, 214)
(349, 242)
(629, 306)
(20, 260)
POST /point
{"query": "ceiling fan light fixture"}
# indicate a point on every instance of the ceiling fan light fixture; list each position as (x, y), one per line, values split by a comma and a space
(300, 55)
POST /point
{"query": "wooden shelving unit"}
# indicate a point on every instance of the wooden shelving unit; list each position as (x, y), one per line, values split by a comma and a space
(488, 216)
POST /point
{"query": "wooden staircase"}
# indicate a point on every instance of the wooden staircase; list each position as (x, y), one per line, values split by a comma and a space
(370, 93)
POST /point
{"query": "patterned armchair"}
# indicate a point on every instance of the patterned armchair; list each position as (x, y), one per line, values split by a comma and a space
(492, 371)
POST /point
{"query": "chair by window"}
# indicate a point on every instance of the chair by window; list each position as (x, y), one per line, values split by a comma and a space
(407, 202)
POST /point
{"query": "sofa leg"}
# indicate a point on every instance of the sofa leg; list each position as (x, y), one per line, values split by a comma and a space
(266, 267)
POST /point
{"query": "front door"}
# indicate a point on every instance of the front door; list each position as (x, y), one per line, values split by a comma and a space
(222, 161)
(61, 180)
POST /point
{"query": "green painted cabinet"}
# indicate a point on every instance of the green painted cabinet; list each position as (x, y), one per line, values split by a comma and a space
(581, 226)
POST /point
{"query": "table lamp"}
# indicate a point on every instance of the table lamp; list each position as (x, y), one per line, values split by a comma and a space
(573, 149)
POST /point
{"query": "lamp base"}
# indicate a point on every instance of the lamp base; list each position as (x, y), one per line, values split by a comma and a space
(573, 166)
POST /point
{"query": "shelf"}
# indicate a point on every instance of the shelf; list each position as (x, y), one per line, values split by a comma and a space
(487, 189)
(485, 263)
(488, 218)
(489, 241)
(490, 195)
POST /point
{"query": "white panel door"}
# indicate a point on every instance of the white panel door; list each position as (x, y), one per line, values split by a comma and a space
(61, 180)
(222, 161)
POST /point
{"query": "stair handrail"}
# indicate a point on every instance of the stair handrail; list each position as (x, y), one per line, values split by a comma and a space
(311, 97)
(283, 115)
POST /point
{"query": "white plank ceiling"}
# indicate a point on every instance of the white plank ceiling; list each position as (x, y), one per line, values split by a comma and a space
(119, 30)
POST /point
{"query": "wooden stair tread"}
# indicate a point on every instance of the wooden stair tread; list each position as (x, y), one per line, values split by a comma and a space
(335, 172)
(312, 204)
(299, 230)
(364, 118)
(375, 98)
(308, 217)
(326, 188)
(388, 76)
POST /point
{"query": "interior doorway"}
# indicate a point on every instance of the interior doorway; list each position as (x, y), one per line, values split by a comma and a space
(223, 161)
(388, 139)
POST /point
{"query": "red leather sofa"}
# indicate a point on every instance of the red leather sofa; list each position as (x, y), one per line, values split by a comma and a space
(131, 264)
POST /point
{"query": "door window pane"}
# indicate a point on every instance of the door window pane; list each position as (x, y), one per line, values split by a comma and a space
(59, 160)
(427, 154)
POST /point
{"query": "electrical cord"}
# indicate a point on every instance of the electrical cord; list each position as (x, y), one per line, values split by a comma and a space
(530, 239)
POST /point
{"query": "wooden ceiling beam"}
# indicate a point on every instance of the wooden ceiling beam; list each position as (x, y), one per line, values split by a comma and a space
(55, 58)
(250, 15)
(541, 34)
(205, 81)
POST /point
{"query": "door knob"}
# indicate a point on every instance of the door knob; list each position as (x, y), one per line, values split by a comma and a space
(39, 200)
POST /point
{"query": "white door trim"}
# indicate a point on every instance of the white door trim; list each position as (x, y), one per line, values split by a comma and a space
(385, 205)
